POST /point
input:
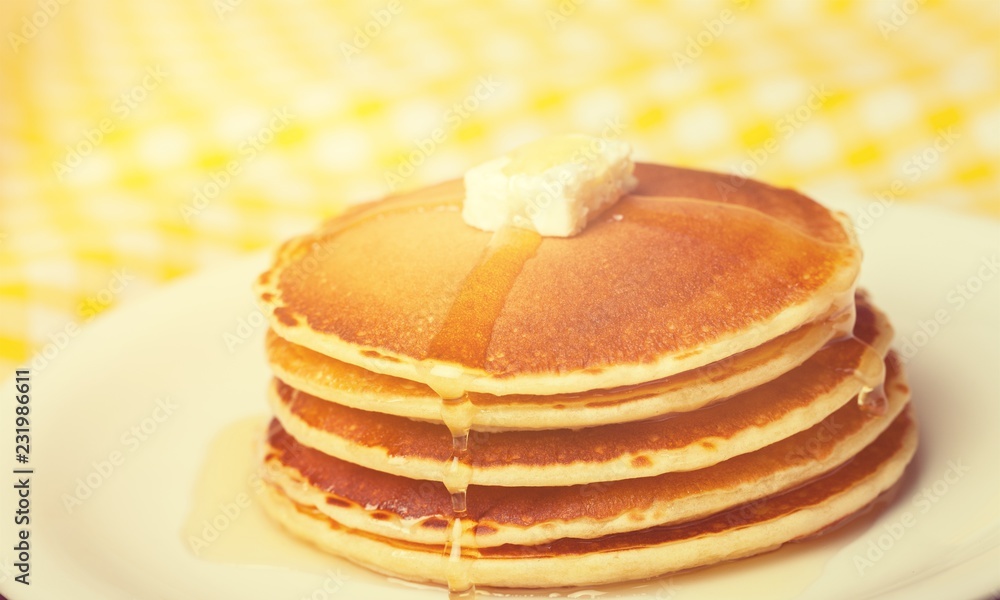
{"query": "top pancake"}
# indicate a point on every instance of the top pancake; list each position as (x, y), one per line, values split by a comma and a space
(690, 268)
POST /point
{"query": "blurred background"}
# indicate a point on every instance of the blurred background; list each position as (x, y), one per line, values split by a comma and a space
(141, 140)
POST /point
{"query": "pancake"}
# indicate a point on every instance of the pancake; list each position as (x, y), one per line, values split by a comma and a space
(685, 441)
(691, 378)
(330, 379)
(745, 530)
(683, 272)
(418, 511)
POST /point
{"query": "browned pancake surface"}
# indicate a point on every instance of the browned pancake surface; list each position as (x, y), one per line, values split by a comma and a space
(896, 443)
(667, 271)
(862, 466)
(825, 371)
(354, 386)
(346, 484)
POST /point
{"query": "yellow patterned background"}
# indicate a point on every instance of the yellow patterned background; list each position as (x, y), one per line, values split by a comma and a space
(141, 140)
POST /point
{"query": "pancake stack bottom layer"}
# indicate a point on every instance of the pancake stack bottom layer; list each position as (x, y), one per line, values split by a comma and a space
(469, 409)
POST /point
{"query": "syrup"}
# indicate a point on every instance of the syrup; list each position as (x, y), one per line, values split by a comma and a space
(253, 539)
(460, 549)
(464, 338)
(226, 523)
(872, 399)
(870, 372)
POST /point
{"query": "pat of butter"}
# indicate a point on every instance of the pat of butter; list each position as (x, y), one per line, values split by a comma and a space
(554, 185)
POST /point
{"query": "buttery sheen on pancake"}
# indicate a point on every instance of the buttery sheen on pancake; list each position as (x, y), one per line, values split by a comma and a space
(417, 511)
(350, 385)
(681, 273)
(742, 531)
(678, 442)
(690, 379)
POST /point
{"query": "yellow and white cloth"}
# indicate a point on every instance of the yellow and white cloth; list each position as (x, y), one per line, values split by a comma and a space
(144, 139)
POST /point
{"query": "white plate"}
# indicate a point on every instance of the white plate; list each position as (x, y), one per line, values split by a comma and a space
(125, 540)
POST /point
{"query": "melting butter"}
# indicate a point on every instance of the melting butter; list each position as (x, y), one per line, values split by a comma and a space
(553, 186)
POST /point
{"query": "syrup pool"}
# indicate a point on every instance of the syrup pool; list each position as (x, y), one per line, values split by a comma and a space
(231, 467)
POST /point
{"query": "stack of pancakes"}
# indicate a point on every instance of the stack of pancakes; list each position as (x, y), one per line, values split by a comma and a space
(691, 379)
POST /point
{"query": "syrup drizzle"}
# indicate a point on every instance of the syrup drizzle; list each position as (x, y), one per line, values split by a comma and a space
(464, 338)
(873, 401)
(870, 371)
